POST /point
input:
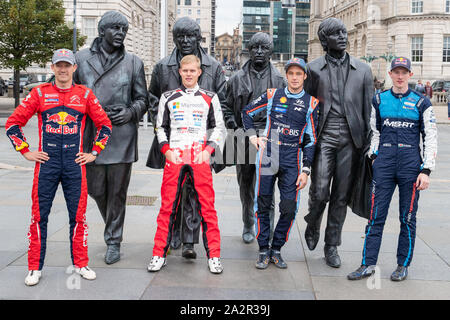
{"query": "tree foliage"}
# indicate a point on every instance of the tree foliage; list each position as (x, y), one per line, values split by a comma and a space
(31, 30)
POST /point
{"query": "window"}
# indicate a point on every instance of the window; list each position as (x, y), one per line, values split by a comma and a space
(198, 12)
(178, 11)
(197, 20)
(417, 49)
(446, 55)
(447, 6)
(198, 3)
(416, 6)
(189, 11)
(187, 2)
(90, 29)
(179, 2)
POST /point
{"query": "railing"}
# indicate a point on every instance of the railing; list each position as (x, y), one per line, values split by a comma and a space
(439, 98)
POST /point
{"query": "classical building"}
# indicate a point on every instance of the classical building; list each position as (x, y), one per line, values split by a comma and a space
(204, 12)
(143, 37)
(229, 47)
(416, 29)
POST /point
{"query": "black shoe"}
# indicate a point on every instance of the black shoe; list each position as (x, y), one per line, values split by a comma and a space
(361, 272)
(400, 274)
(312, 234)
(176, 240)
(276, 258)
(263, 259)
(332, 258)
(112, 253)
(188, 251)
(248, 234)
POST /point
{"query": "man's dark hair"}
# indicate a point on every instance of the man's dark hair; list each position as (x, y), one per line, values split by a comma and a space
(328, 27)
(259, 38)
(186, 25)
(111, 18)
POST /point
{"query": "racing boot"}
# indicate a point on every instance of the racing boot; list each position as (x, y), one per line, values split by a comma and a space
(215, 266)
(188, 251)
(400, 274)
(33, 277)
(332, 258)
(156, 264)
(362, 272)
(112, 253)
(276, 258)
(86, 273)
(263, 259)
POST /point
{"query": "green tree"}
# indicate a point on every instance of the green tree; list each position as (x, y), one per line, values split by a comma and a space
(30, 31)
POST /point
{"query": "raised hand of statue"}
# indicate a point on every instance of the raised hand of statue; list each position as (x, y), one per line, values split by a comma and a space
(119, 114)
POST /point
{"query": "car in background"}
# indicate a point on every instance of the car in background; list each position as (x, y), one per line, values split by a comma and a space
(27, 88)
(3, 87)
(441, 86)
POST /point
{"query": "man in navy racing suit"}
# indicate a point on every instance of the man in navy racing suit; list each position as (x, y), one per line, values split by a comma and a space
(399, 117)
(290, 128)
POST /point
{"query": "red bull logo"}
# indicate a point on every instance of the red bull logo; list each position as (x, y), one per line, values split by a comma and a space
(19, 143)
(63, 119)
(102, 143)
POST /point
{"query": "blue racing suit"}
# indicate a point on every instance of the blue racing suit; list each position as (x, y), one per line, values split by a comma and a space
(397, 122)
(290, 128)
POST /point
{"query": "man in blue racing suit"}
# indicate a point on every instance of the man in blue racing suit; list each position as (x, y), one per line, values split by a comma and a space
(399, 116)
(290, 128)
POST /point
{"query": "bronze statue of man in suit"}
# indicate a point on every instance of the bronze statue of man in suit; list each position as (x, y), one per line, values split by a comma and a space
(344, 86)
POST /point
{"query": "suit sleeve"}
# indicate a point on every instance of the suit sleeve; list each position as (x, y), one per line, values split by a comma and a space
(19, 118)
(367, 107)
(139, 95)
(163, 125)
(154, 93)
(311, 133)
(101, 122)
(249, 111)
(228, 109)
(215, 126)
(429, 135)
(375, 125)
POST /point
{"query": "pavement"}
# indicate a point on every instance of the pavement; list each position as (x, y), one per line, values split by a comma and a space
(306, 278)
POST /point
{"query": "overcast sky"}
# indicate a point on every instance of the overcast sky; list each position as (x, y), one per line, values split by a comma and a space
(228, 15)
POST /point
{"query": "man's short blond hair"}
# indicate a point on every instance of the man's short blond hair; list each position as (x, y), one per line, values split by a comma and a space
(191, 58)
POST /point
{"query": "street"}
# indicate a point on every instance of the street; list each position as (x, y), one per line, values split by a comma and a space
(307, 276)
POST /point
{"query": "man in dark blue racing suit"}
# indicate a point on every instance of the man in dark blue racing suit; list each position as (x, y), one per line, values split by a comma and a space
(399, 117)
(290, 128)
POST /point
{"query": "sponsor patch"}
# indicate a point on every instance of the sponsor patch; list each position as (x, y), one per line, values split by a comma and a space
(54, 100)
(283, 100)
(281, 110)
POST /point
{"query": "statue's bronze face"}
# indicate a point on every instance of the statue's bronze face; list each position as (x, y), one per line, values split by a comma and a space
(260, 49)
(115, 35)
(186, 42)
(337, 41)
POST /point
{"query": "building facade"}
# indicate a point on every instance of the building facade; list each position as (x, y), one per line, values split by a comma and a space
(416, 29)
(144, 32)
(275, 19)
(202, 11)
(229, 48)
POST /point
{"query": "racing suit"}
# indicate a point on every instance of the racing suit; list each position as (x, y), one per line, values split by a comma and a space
(188, 122)
(290, 128)
(61, 119)
(397, 121)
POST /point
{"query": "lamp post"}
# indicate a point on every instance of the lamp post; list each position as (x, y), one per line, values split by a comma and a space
(74, 26)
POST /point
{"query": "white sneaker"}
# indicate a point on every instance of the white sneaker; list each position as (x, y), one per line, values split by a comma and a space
(32, 277)
(86, 273)
(215, 266)
(156, 264)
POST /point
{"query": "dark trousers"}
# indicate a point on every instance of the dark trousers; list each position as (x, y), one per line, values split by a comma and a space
(108, 185)
(246, 177)
(335, 159)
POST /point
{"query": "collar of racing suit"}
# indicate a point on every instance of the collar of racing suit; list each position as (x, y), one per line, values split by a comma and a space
(62, 90)
(292, 95)
(400, 95)
(190, 90)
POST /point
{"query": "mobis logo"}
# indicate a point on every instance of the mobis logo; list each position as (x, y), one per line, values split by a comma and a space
(288, 132)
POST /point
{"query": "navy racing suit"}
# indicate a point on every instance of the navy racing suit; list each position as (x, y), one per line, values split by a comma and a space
(397, 122)
(290, 128)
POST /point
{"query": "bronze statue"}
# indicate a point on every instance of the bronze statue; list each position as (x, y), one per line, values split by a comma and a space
(344, 86)
(117, 78)
(256, 76)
